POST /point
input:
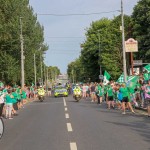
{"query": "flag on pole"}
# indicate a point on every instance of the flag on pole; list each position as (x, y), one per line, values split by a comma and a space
(121, 79)
(132, 81)
(1, 84)
(32, 84)
(106, 78)
(147, 67)
(146, 76)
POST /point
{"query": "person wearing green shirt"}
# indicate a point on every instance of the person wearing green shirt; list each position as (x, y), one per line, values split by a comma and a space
(110, 95)
(23, 96)
(18, 90)
(15, 107)
(105, 92)
(125, 94)
(99, 93)
(9, 104)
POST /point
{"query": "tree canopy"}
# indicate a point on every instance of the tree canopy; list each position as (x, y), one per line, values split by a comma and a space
(11, 11)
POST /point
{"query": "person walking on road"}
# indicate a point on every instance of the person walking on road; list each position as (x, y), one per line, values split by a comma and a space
(125, 100)
(99, 92)
(110, 95)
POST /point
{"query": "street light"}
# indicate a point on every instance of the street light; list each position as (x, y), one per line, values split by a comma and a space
(123, 44)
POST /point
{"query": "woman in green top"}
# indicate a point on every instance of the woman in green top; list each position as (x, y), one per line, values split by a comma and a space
(110, 95)
(99, 93)
(15, 107)
(125, 94)
(18, 90)
(8, 104)
(23, 96)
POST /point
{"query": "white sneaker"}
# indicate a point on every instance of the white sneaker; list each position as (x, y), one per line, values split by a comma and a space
(123, 113)
(92, 101)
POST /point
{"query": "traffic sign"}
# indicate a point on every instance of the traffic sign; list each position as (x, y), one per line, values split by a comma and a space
(101, 77)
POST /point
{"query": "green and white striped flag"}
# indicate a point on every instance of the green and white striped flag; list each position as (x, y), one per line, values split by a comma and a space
(121, 79)
(147, 67)
(106, 78)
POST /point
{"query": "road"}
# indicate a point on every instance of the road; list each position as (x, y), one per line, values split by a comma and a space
(63, 124)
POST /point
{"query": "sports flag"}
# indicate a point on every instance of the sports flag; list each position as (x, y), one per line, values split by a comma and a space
(1, 84)
(147, 67)
(106, 78)
(146, 76)
(132, 81)
(121, 79)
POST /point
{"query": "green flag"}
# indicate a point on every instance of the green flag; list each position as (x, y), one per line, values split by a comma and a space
(1, 84)
(147, 67)
(132, 81)
(106, 77)
(146, 76)
(121, 79)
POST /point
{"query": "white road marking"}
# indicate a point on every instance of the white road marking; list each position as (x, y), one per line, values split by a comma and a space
(69, 127)
(73, 146)
(67, 116)
(64, 102)
(66, 108)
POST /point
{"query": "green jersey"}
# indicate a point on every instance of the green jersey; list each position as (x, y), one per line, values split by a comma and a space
(124, 91)
(110, 91)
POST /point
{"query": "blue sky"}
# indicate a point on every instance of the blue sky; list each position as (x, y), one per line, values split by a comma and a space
(65, 34)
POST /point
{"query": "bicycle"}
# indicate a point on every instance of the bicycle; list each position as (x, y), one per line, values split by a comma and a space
(1, 127)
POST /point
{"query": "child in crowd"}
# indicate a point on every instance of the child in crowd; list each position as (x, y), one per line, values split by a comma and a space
(9, 104)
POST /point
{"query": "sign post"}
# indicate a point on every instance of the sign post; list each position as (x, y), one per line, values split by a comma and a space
(131, 46)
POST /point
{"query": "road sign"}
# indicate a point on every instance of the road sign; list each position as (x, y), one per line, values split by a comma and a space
(101, 77)
(137, 62)
(131, 45)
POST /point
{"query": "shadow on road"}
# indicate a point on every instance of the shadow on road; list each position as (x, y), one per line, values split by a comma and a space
(141, 127)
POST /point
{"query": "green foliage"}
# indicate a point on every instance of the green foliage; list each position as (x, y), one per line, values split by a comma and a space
(102, 47)
(141, 26)
(33, 35)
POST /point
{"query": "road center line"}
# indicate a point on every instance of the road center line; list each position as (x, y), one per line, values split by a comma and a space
(64, 102)
(67, 116)
(66, 108)
(69, 127)
(73, 146)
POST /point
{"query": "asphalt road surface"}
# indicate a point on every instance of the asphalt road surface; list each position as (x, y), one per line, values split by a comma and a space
(63, 124)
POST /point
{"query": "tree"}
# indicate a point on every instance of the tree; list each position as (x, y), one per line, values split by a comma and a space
(141, 29)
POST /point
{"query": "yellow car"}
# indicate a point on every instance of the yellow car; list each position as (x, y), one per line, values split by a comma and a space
(60, 91)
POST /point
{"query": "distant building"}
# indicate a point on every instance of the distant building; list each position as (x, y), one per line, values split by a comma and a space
(63, 79)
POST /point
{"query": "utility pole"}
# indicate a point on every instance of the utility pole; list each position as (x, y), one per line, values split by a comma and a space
(123, 44)
(41, 69)
(34, 70)
(100, 69)
(22, 55)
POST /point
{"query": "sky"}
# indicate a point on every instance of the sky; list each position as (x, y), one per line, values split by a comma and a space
(64, 34)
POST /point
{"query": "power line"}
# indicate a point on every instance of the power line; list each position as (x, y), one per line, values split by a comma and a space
(87, 14)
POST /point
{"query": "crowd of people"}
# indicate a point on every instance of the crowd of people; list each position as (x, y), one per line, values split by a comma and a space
(115, 95)
(14, 98)
(119, 95)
